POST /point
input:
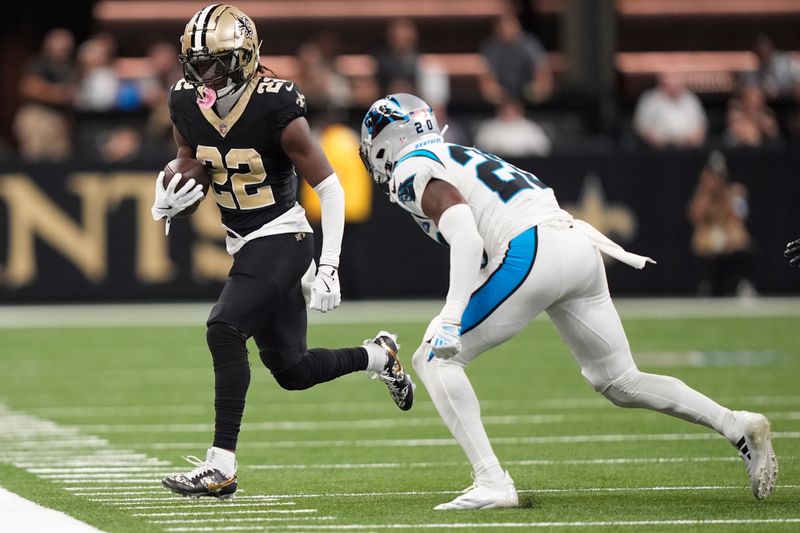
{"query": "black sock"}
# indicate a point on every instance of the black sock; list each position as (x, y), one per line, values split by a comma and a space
(320, 365)
(330, 364)
(231, 381)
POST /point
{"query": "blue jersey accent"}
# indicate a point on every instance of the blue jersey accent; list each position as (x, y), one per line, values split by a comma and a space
(420, 153)
(504, 281)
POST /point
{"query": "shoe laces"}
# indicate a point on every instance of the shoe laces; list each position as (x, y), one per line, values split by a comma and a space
(388, 374)
(201, 467)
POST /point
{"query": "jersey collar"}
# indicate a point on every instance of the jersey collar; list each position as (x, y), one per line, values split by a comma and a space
(224, 125)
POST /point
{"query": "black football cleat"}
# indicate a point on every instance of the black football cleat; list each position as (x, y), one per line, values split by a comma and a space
(401, 388)
(203, 480)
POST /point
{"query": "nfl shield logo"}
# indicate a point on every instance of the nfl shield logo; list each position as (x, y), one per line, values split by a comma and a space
(223, 129)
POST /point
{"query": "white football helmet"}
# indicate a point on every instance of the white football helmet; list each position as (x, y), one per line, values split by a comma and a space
(391, 124)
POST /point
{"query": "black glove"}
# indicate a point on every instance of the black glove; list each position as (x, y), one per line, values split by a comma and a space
(793, 253)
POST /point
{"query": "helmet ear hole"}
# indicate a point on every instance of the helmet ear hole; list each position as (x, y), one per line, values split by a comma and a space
(380, 153)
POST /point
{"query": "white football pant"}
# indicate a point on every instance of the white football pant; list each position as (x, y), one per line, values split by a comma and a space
(567, 279)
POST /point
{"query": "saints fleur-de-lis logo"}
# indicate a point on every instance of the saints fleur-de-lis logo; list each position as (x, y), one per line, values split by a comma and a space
(617, 221)
(243, 27)
(301, 100)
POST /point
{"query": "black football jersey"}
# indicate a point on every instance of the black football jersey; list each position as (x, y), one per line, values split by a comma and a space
(253, 180)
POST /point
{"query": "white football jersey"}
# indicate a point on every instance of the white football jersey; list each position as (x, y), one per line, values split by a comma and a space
(504, 199)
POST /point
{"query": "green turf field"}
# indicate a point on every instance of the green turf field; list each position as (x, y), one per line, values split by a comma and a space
(95, 416)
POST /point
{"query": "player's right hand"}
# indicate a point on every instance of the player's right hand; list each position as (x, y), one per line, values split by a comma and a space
(325, 293)
(793, 253)
(444, 339)
(169, 202)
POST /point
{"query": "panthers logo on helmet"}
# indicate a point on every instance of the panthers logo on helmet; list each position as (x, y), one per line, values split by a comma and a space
(381, 116)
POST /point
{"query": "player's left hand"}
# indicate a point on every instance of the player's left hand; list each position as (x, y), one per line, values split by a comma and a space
(325, 293)
(444, 339)
(793, 253)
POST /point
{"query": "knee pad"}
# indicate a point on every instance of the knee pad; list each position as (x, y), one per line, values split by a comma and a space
(228, 345)
(296, 377)
(421, 364)
(622, 390)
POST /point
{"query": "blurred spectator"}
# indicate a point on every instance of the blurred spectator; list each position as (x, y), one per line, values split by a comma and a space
(793, 117)
(670, 115)
(324, 87)
(456, 132)
(98, 83)
(518, 64)
(720, 241)
(511, 134)
(121, 145)
(750, 122)
(41, 125)
(400, 67)
(153, 91)
(777, 74)
(397, 63)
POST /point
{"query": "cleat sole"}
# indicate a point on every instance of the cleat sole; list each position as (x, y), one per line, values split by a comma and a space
(767, 474)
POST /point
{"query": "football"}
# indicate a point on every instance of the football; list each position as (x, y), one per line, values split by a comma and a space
(189, 168)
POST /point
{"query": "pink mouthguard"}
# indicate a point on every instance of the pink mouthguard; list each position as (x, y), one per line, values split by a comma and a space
(208, 99)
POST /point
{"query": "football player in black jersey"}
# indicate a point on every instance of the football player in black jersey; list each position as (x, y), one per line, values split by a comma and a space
(250, 131)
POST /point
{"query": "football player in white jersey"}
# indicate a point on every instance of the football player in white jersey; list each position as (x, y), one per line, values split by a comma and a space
(537, 258)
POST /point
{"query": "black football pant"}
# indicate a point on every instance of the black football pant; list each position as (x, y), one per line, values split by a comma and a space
(262, 298)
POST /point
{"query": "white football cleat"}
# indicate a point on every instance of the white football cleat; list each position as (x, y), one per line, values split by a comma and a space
(755, 449)
(485, 497)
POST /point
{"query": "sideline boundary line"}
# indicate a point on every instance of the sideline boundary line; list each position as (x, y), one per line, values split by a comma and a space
(367, 312)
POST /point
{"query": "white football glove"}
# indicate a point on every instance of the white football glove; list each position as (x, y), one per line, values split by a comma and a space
(325, 293)
(169, 202)
(444, 339)
(307, 281)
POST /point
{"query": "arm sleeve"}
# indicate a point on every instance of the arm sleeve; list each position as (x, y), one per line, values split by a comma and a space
(457, 226)
(331, 199)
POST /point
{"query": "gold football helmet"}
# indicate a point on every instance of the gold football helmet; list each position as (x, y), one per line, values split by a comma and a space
(219, 49)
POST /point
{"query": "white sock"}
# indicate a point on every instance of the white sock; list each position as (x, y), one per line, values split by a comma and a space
(671, 396)
(455, 399)
(222, 459)
(376, 356)
(488, 472)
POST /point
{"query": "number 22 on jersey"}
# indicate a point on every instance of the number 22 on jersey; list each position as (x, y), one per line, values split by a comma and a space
(240, 178)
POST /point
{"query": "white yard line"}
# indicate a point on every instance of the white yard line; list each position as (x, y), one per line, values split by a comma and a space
(388, 423)
(221, 509)
(414, 443)
(164, 496)
(587, 402)
(259, 519)
(20, 514)
(522, 462)
(372, 312)
(27, 436)
(203, 505)
(337, 425)
(665, 488)
(513, 525)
